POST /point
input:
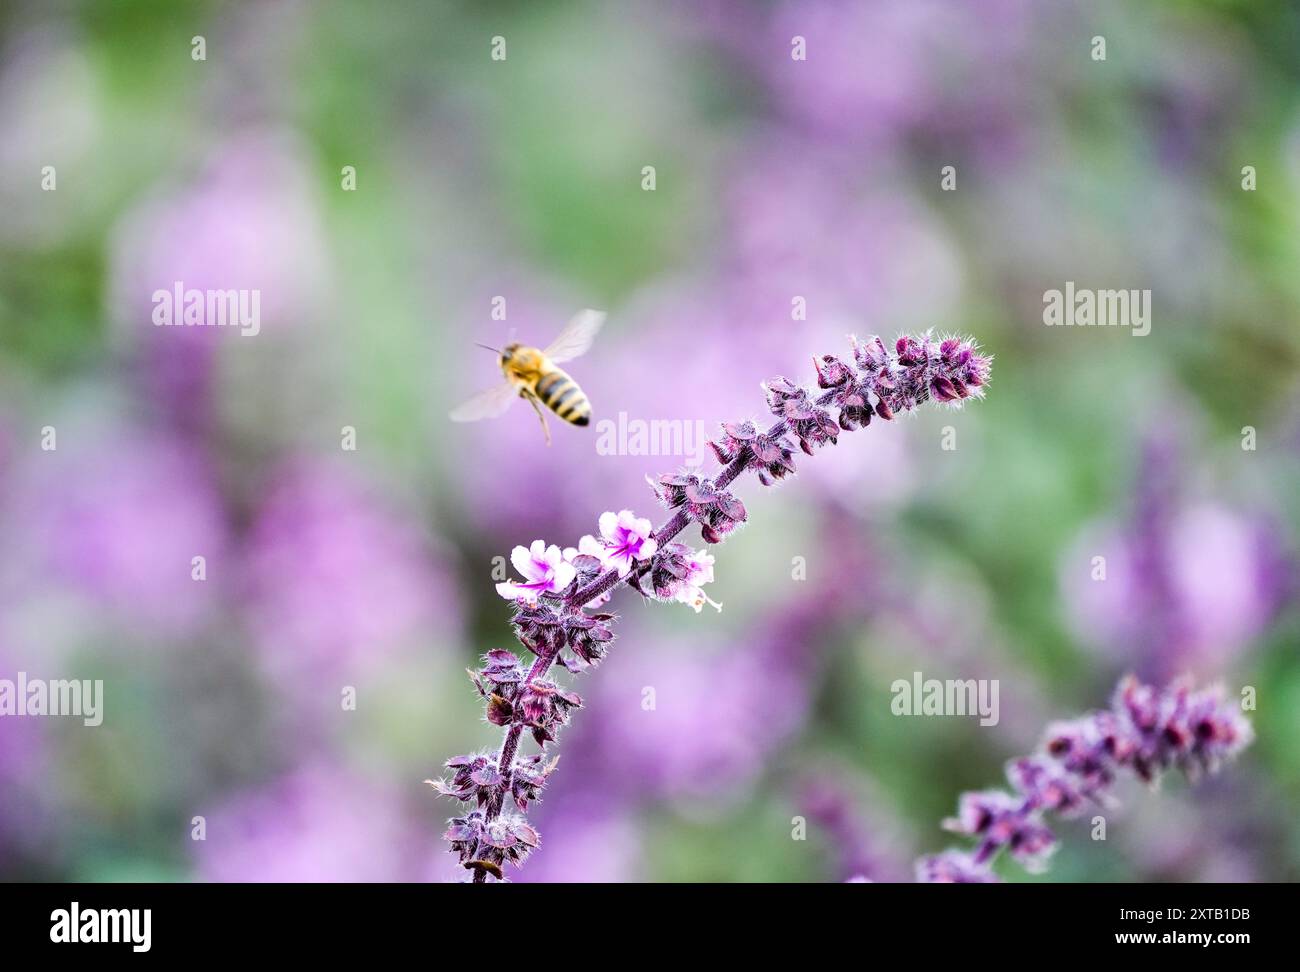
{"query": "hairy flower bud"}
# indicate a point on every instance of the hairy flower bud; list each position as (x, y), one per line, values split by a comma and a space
(717, 511)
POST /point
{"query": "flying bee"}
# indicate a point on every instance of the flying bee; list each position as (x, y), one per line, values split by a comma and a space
(535, 375)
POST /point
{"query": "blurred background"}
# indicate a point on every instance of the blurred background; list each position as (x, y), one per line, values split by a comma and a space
(522, 179)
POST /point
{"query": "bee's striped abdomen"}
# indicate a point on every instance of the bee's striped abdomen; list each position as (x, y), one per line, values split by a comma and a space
(561, 395)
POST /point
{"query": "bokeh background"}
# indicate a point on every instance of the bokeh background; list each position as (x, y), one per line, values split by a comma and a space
(522, 179)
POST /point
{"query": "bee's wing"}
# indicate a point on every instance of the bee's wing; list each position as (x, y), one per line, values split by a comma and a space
(486, 404)
(576, 337)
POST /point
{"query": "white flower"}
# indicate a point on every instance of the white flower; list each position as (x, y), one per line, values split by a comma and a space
(624, 539)
(699, 571)
(544, 569)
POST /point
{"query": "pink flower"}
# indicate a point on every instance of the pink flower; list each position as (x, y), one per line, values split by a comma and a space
(624, 539)
(544, 569)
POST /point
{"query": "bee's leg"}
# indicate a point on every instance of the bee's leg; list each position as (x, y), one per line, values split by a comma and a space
(541, 415)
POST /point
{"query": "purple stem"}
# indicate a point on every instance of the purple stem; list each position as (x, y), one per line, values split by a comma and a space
(509, 747)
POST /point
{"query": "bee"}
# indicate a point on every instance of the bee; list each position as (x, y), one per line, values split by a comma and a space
(535, 376)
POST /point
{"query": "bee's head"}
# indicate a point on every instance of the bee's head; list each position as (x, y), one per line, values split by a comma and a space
(505, 355)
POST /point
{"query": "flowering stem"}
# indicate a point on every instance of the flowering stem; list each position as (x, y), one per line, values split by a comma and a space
(506, 761)
(1146, 731)
(509, 747)
(551, 616)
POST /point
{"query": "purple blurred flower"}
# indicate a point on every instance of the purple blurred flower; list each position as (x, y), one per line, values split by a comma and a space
(999, 819)
(589, 839)
(336, 578)
(939, 610)
(867, 69)
(117, 519)
(861, 838)
(1146, 731)
(320, 823)
(878, 73)
(700, 741)
(1215, 833)
(26, 815)
(953, 867)
(811, 224)
(250, 221)
(1188, 585)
